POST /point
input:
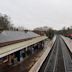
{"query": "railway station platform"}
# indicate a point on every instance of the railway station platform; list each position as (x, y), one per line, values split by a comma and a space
(68, 41)
(15, 53)
(39, 63)
(28, 62)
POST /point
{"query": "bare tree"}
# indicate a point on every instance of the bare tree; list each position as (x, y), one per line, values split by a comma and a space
(5, 22)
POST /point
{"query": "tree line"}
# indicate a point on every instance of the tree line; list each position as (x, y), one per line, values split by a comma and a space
(5, 24)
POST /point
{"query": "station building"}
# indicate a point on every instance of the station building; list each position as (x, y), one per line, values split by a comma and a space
(16, 45)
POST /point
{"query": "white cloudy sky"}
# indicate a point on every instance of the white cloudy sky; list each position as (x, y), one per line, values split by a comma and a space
(35, 13)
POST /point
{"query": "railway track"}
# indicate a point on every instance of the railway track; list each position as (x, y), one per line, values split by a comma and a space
(59, 58)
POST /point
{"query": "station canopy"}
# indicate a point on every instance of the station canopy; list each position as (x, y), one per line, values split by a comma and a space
(7, 36)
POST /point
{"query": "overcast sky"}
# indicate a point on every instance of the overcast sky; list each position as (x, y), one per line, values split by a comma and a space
(36, 13)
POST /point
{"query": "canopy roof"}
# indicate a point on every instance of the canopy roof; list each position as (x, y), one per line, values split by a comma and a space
(6, 36)
(6, 50)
